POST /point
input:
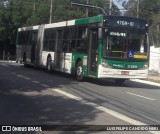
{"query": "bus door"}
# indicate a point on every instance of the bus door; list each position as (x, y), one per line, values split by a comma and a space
(59, 36)
(93, 52)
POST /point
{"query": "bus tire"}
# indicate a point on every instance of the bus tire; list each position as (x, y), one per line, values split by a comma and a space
(49, 64)
(79, 71)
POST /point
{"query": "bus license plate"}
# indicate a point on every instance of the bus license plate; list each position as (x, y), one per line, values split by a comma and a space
(124, 72)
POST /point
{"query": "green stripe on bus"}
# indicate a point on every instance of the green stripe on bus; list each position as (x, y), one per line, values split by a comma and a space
(125, 65)
(96, 19)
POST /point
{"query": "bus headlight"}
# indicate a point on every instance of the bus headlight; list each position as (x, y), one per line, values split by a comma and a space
(104, 64)
(145, 66)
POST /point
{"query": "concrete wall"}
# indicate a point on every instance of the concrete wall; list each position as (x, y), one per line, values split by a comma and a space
(154, 66)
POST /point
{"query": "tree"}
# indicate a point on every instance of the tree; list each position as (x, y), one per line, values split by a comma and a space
(22, 13)
(149, 10)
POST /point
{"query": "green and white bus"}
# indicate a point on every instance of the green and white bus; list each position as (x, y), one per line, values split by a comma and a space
(101, 46)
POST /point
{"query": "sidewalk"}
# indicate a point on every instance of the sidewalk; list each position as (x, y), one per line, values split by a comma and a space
(153, 80)
(154, 77)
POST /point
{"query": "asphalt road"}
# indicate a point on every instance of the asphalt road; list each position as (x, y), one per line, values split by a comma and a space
(34, 97)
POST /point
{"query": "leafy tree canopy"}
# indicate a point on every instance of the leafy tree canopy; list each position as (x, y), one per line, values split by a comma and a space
(19, 13)
(149, 10)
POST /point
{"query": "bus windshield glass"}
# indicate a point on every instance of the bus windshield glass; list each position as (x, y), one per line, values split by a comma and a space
(120, 44)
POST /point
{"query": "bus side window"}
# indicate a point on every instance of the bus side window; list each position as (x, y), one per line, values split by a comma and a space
(28, 37)
(60, 40)
(51, 45)
(82, 39)
(72, 41)
(34, 37)
(45, 42)
(65, 46)
(45, 46)
(52, 37)
(65, 40)
(21, 38)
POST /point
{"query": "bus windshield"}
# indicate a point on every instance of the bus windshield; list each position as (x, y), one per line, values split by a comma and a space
(130, 44)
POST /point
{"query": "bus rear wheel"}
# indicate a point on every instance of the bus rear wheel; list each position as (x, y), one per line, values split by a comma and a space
(49, 64)
(79, 71)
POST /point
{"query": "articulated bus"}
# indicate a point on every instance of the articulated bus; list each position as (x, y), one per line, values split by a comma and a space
(101, 46)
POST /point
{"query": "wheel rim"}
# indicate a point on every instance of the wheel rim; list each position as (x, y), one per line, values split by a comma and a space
(79, 71)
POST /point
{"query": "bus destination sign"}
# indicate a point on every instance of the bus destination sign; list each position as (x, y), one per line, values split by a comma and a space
(115, 21)
(125, 23)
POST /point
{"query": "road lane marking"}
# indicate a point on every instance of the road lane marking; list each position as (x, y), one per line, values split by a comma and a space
(20, 76)
(24, 77)
(44, 85)
(104, 109)
(27, 78)
(14, 73)
(37, 82)
(140, 96)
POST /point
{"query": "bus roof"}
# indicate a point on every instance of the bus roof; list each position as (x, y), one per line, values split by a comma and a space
(88, 20)
(81, 21)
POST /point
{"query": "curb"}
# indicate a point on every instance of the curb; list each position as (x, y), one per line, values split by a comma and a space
(156, 79)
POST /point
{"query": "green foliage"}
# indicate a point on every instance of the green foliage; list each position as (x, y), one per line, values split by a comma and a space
(149, 10)
(21, 13)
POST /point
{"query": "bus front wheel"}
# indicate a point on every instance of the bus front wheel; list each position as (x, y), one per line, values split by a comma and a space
(79, 71)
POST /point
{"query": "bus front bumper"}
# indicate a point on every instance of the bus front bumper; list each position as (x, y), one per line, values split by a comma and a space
(104, 72)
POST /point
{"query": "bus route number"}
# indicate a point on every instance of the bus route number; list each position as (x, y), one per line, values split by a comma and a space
(125, 23)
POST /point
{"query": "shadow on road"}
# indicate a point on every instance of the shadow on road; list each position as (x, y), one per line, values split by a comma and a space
(26, 99)
(127, 83)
